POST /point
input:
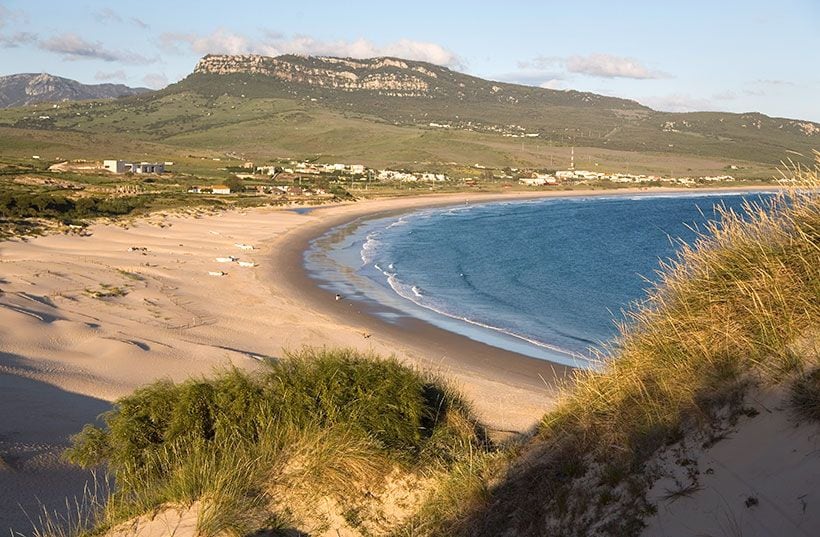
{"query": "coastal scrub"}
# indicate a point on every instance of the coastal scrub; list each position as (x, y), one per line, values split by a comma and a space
(256, 449)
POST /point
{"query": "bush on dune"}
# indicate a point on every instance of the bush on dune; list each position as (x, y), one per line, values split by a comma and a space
(321, 421)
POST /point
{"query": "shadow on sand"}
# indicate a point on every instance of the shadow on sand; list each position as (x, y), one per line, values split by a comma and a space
(36, 420)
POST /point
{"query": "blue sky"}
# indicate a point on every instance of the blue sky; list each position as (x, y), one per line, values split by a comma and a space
(679, 56)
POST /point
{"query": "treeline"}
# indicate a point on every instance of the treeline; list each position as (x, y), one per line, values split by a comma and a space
(47, 205)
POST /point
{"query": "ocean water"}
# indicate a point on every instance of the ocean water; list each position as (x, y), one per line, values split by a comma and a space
(547, 278)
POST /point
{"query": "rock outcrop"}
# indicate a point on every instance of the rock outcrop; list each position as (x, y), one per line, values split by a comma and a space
(377, 74)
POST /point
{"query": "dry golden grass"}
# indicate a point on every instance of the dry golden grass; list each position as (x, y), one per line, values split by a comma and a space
(727, 313)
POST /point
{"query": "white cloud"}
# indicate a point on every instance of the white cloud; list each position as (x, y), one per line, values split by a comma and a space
(553, 72)
(17, 39)
(532, 77)
(727, 95)
(771, 82)
(107, 14)
(678, 103)
(73, 47)
(7, 15)
(155, 80)
(554, 84)
(541, 63)
(105, 76)
(272, 44)
(608, 66)
(218, 42)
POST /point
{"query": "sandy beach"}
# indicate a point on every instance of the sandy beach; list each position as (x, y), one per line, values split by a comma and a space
(87, 319)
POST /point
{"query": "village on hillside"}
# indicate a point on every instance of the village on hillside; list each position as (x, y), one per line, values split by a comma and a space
(299, 177)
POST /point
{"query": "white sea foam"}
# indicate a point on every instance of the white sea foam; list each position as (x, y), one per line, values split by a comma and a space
(368, 253)
(400, 222)
(410, 293)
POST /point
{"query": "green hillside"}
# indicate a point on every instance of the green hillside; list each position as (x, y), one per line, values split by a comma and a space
(252, 115)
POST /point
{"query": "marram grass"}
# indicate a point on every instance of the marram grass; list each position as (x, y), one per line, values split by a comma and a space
(734, 309)
(733, 302)
(247, 445)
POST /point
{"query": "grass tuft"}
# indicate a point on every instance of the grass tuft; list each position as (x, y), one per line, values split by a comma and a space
(805, 395)
(247, 448)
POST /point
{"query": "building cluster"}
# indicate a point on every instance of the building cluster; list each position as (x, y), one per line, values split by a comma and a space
(536, 179)
(213, 189)
(639, 178)
(509, 131)
(290, 190)
(122, 166)
(352, 170)
(308, 168)
(408, 177)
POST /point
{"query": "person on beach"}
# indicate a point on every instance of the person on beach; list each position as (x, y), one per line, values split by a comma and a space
(338, 297)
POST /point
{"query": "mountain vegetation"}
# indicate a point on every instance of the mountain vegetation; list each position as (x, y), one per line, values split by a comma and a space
(392, 112)
(29, 88)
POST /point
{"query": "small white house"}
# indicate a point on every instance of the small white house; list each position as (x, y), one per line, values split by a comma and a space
(122, 166)
(148, 167)
(115, 166)
(215, 189)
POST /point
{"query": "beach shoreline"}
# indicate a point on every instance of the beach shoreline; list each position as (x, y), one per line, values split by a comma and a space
(85, 320)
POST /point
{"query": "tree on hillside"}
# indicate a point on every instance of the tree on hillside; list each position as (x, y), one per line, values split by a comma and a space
(235, 184)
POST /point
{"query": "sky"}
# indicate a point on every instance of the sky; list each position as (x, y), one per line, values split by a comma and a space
(727, 55)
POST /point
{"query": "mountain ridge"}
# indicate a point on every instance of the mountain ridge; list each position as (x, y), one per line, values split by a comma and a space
(419, 94)
(391, 111)
(389, 76)
(23, 89)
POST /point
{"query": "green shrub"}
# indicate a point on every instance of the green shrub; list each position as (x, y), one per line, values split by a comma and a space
(335, 411)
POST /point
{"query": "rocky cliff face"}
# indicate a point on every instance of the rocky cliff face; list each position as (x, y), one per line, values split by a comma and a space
(28, 88)
(337, 78)
(384, 75)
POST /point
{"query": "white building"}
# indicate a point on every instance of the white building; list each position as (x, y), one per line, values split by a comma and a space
(539, 179)
(115, 166)
(392, 175)
(215, 189)
(121, 166)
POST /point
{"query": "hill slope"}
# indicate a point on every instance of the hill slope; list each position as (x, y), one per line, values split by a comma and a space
(30, 88)
(393, 112)
(414, 93)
